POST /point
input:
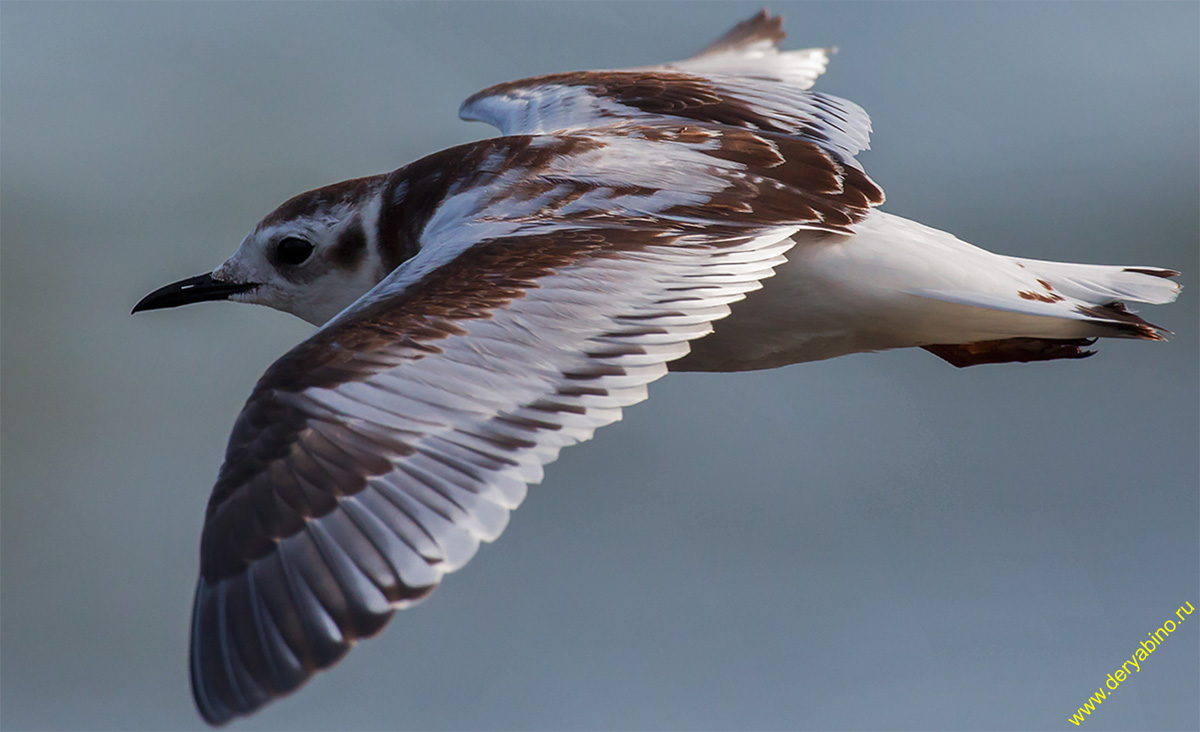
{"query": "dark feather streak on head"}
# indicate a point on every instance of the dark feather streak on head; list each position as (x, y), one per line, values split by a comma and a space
(312, 203)
(351, 247)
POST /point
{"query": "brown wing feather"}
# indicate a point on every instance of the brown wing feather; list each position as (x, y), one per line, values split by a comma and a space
(758, 104)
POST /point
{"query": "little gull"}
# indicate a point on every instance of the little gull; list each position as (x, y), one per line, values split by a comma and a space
(490, 304)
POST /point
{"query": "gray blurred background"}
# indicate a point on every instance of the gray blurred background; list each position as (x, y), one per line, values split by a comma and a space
(876, 542)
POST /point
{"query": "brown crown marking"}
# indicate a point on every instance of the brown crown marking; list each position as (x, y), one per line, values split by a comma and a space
(311, 203)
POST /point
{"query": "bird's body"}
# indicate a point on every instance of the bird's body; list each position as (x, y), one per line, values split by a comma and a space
(490, 304)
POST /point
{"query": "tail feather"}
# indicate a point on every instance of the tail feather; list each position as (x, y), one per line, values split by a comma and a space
(1102, 284)
(895, 283)
(1095, 295)
(1100, 293)
(1123, 322)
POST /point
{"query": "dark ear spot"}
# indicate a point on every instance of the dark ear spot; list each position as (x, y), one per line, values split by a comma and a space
(351, 245)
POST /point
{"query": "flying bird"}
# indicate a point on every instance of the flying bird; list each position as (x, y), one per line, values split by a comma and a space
(488, 305)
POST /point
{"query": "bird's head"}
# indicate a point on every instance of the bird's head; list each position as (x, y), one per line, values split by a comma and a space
(311, 257)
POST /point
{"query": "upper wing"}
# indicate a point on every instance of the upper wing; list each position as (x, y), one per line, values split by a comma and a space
(741, 80)
(557, 277)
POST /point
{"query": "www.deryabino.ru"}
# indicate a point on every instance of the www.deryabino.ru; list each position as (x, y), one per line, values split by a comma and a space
(1135, 660)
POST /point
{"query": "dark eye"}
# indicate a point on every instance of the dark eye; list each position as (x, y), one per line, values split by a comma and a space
(292, 251)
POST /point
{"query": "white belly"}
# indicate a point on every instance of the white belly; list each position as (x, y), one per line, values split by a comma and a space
(806, 312)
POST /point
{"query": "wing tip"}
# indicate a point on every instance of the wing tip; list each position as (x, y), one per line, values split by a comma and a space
(762, 26)
(1012, 350)
(213, 711)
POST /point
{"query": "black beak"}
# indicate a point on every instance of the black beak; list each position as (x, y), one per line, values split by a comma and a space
(200, 288)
